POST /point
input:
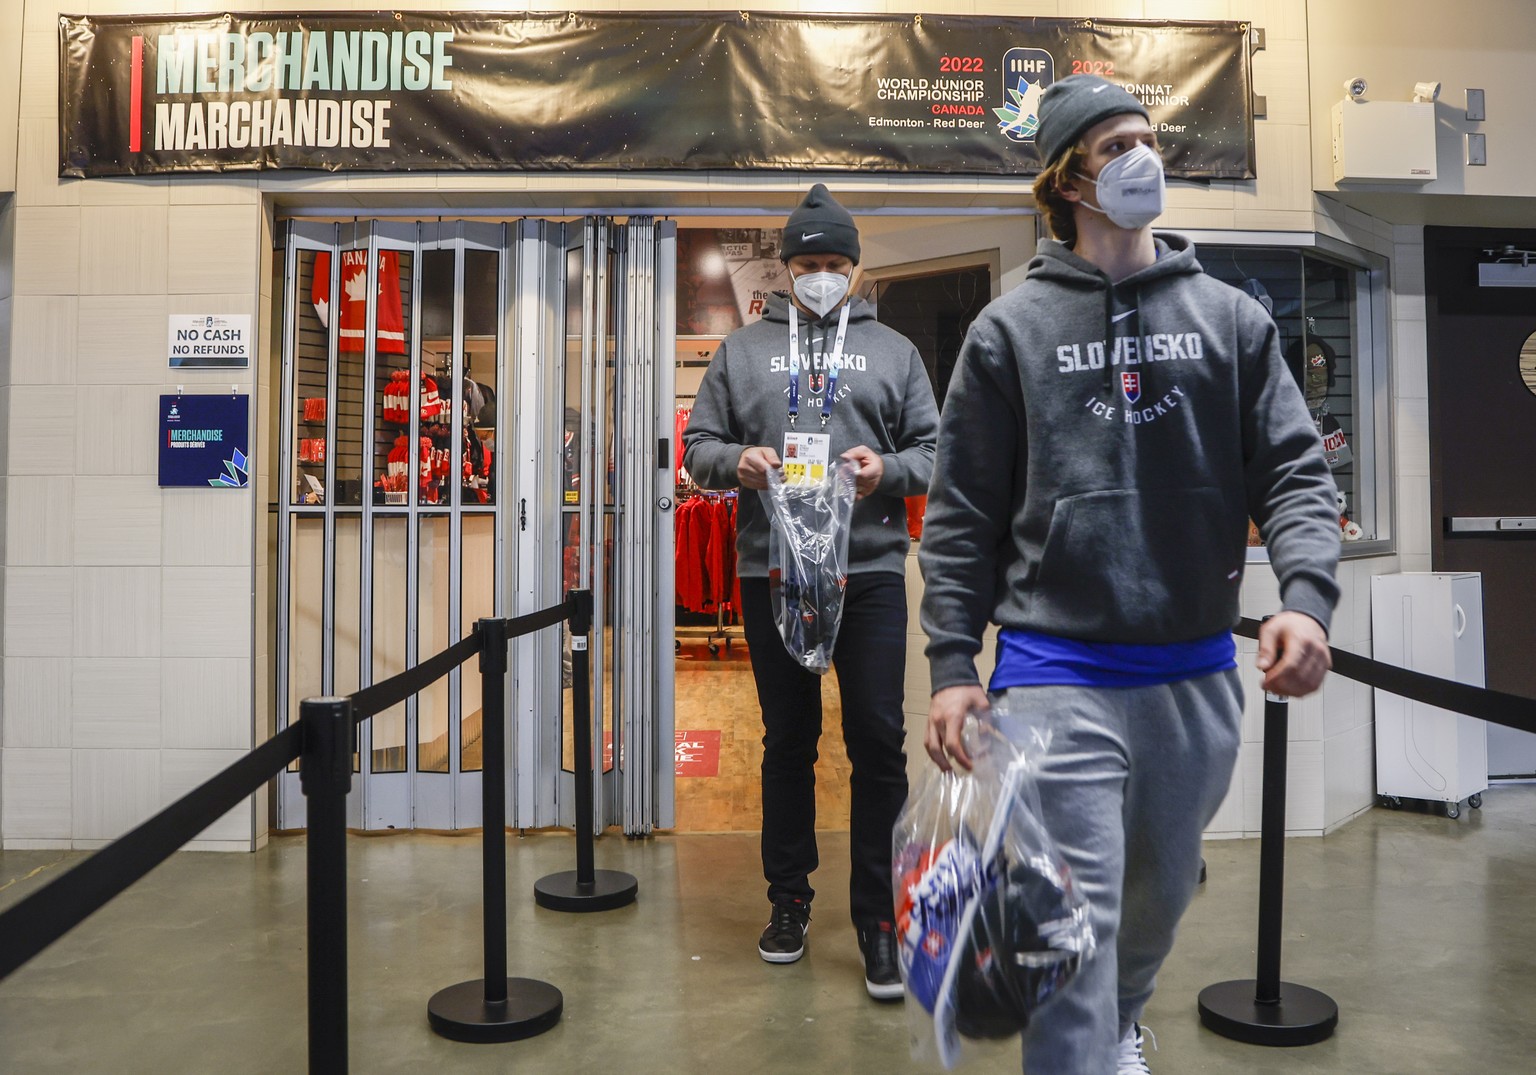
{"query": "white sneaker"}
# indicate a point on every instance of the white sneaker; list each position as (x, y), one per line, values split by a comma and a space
(1131, 1061)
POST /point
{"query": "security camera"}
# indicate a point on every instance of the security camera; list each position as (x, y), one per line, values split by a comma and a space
(1354, 89)
(1426, 92)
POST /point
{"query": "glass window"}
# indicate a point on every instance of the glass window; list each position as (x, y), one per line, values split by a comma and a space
(433, 591)
(478, 389)
(311, 388)
(477, 600)
(391, 603)
(1322, 310)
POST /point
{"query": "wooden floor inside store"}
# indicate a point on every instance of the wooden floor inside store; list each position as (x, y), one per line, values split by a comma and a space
(717, 694)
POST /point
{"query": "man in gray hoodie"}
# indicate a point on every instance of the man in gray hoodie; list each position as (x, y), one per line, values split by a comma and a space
(1111, 425)
(818, 370)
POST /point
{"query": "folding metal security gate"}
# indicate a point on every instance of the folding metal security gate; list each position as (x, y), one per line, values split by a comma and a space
(472, 423)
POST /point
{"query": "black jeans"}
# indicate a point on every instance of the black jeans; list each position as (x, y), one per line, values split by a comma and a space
(870, 658)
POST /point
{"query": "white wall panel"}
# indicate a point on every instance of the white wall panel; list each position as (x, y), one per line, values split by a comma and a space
(116, 702)
(206, 612)
(43, 339)
(206, 527)
(37, 165)
(37, 702)
(183, 770)
(117, 431)
(214, 248)
(39, 518)
(36, 798)
(39, 611)
(125, 190)
(123, 250)
(42, 430)
(47, 248)
(116, 610)
(117, 520)
(122, 340)
(206, 702)
(114, 790)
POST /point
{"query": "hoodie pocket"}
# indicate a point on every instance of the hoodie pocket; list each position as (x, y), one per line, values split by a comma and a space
(1138, 565)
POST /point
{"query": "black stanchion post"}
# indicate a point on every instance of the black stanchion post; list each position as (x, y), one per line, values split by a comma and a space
(1265, 1010)
(585, 888)
(325, 775)
(495, 1008)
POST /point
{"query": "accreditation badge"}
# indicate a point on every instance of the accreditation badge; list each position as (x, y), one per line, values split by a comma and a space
(805, 457)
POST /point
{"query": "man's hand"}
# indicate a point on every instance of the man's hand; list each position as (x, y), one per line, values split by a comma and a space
(871, 469)
(753, 467)
(1293, 654)
(946, 719)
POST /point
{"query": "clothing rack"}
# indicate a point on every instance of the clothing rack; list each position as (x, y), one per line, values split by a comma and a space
(719, 633)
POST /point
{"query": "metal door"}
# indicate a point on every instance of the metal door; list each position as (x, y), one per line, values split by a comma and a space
(391, 529)
(1482, 428)
(595, 325)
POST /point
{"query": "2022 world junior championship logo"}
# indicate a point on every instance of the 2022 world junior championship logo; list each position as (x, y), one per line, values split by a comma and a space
(1026, 74)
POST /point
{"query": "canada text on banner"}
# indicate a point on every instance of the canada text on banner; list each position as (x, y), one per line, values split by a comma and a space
(148, 95)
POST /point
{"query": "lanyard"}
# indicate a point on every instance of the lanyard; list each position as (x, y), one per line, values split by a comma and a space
(834, 364)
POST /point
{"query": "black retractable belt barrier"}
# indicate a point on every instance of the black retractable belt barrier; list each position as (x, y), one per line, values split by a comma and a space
(585, 888)
(1265, 1010)
(325, 774)
(495, 1008)
(59, 906)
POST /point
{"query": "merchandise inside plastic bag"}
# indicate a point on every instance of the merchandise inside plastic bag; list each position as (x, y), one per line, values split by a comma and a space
(988, 924)
(808, 560)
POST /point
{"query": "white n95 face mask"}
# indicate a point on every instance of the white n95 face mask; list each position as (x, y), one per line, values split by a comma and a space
(1131, 188)
(821, 291)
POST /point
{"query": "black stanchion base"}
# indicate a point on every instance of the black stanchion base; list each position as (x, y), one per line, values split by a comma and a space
(562, 892)
(461, 1013)
(1303, 1017)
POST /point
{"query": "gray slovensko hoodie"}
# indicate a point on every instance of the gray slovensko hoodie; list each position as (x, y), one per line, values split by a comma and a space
(1102, 448)
(883, 401)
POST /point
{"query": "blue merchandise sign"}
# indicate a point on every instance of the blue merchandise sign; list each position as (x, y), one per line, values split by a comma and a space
(203, 441)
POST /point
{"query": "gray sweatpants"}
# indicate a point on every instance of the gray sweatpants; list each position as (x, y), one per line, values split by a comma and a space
(1132, 778)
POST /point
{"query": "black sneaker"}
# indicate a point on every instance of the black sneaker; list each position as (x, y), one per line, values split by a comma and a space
(882, 977)
(784, 939)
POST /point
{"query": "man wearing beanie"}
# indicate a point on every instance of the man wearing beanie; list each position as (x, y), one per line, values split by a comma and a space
(859, 392)
(1111, 424)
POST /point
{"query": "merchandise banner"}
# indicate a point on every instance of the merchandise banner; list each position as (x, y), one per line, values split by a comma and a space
(386, 91)
(204, 441)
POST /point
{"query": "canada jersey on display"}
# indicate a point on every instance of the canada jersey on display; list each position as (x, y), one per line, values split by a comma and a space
(659, 91)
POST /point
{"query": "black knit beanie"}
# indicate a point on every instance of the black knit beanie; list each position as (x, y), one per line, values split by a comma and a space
(820, 226)
(1072, 106)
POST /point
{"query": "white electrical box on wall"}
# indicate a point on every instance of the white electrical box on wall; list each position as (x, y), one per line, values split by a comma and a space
(1433, 623)
(1384, 142)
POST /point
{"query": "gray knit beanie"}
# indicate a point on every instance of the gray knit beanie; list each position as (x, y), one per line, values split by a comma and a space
(1072, 106)
(820, 226)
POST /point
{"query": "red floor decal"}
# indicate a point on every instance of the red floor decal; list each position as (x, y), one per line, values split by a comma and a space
(698, 753)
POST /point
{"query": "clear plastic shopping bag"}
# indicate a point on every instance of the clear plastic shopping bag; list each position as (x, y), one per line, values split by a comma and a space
(988, 924)
(808, 560)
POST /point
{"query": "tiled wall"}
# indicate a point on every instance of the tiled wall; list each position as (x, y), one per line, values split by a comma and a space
(127, 609)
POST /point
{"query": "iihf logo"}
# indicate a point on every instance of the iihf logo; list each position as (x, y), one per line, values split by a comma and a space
(1130, 384)
(1026, 74)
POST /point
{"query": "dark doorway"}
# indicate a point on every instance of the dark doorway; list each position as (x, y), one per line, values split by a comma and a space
(1482, 428)
(934, 311)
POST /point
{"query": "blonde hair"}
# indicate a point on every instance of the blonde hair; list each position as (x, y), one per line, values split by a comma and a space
(1047, 190)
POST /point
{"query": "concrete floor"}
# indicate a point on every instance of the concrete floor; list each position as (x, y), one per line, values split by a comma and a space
(1418, 926)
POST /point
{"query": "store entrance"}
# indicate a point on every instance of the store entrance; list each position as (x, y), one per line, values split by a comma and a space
(725, 275)
(467, 427)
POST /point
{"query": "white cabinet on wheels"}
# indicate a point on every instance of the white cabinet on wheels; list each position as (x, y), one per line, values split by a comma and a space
(1430, 622)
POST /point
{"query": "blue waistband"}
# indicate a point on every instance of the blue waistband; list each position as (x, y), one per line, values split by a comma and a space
(1032, 659)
